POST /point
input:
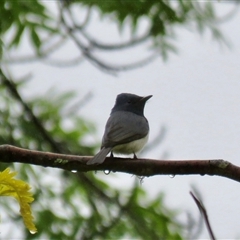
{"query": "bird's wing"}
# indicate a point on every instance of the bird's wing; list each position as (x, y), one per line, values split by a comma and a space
(124, 127)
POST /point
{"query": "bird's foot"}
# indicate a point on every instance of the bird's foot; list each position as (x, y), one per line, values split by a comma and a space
(134, 156)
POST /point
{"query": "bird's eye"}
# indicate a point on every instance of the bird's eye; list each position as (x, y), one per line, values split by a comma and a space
(129, 101)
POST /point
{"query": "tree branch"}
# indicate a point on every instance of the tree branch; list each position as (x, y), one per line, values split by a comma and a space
(140, 167)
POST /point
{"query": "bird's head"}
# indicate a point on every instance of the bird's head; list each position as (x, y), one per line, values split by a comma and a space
(130, 103)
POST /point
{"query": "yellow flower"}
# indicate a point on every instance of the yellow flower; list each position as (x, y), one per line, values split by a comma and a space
(21, 192)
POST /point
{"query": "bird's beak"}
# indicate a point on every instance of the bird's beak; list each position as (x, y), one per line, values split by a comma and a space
(144, 99)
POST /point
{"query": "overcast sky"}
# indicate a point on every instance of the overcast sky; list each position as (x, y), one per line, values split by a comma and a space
(195, 95)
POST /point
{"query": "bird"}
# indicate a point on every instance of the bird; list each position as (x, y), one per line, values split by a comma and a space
(127, 129)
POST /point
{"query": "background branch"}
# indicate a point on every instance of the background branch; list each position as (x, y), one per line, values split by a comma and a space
(204, 214)
(140, 167)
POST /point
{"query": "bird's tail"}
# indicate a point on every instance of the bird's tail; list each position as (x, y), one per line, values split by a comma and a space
(99, 157)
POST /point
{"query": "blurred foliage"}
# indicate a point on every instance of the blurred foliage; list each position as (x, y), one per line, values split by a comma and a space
(40, 19)
(162, 14)
(24, 16)
(71, 205)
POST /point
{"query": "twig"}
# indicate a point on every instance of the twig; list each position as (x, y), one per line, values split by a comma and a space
(204, 214)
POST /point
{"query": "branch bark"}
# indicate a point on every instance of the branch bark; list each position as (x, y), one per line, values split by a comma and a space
(140, 167)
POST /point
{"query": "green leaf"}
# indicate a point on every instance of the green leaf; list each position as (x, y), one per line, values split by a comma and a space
(17, 37)
(35, 39)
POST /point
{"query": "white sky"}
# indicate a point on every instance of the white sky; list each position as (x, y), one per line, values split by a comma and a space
(195, 94)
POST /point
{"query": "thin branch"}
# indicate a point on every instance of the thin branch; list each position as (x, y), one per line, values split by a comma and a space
(109, 67)
(99, 63)
(33, 57)
(204, 214)
(84, 50)
(87, 50)
(68, 11)
(114, 47)
(195, 227)
(96, 44)
(139, 167)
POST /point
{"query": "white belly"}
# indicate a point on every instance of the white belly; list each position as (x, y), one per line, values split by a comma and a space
(132, 147)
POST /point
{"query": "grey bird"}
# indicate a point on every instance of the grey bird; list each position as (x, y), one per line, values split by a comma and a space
(127, 129)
